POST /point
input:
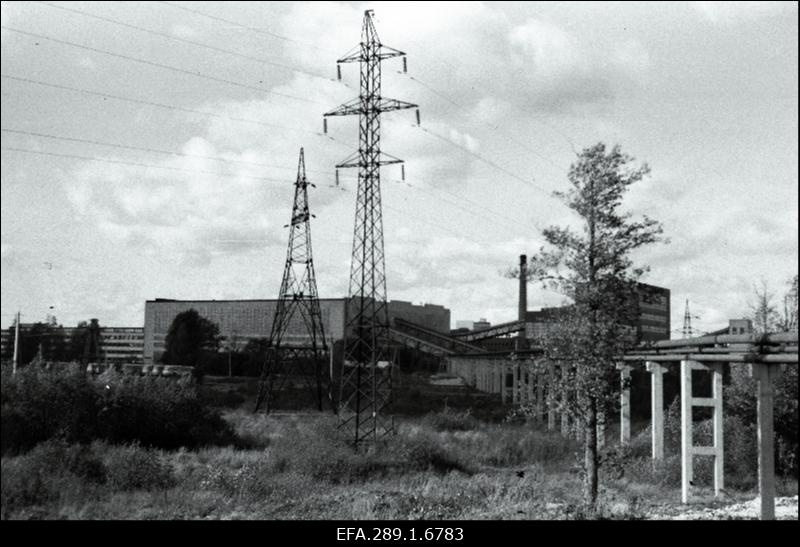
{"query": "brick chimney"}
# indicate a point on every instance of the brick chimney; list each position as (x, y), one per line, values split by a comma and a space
(523, 299)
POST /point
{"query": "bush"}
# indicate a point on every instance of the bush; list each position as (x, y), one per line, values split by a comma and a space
(53, 470)
(740, 460)
(425, 451)
(135, 468)
(158, 413)
(42, 404)
(451, 420)
(517, 445)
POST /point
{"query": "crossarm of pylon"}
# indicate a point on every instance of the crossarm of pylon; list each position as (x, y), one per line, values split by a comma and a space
(355, 160)
(347, 109)
(387, 105)
(384, 52)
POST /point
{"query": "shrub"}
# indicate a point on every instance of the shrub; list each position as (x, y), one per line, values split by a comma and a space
(516, 445)
(41, 404)
(165, 414)
(451, 420)
(135, 468)
(51, 471)
(425, 451)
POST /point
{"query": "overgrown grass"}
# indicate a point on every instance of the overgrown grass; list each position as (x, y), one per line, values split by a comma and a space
(447, 465)
(297, 467)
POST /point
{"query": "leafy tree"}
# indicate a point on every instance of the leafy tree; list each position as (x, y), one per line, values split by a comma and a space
(763, 312)
(593, 269)
(77, 342)
(788, 320)
(189, 336)
(740, 395)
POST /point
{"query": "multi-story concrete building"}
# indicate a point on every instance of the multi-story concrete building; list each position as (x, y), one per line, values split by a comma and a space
(653, 310)
(247, 320)
(740, 326)
(117, 344)
(122, 344)
(481, 324)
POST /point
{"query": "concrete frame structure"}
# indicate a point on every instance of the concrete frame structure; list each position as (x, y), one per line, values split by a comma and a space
(764, 355)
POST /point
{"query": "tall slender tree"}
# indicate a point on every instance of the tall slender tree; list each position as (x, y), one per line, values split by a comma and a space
(593, 269)
(763, 311)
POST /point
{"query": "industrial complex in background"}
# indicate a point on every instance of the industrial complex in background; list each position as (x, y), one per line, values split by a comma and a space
(241, 321)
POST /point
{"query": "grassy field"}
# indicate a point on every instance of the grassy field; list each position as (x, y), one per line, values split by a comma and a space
(444, 463)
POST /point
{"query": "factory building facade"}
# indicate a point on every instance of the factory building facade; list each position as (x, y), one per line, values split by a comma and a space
(653, 310)
(245, 320)
(117, 344)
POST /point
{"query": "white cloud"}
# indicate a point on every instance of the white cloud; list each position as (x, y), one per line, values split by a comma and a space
(728, 13)
(183, 31)
(87, 62)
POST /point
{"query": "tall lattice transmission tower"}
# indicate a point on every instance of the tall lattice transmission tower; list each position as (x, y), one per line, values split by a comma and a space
(366, 378)
(688, 331)
(297, 306)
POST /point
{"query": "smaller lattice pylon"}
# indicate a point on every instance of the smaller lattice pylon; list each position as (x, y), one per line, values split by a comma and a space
(688, 331)
(297, 307)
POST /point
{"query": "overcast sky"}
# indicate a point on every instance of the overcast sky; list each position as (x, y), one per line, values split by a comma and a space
(705, 93)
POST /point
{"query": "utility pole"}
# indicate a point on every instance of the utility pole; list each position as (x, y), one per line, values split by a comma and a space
(366, 379)
(297, 300)
(16, 347)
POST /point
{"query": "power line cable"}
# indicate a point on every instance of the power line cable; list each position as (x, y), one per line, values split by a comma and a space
(486, 161)
(140, 164)
(475, 204)
(226, 160)
(145, 149)
(169, 107)
(240, 25)
(488, 93)
(495, 127)
(190, 42)
(160, 65)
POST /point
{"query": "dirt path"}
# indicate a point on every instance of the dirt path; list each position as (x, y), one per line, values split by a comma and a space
(785, 509)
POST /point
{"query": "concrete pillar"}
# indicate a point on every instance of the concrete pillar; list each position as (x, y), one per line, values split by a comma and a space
(765, 374)
(515, 383)
(686, 429)
(601, 428)
(529, 385)
(656, 371)
(564, 413)
(719, 456)
(625, 404)
(539, 397)
(551, 413)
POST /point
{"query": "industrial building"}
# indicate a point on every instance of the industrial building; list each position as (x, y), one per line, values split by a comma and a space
(117, 344)
(653, 312)
(245, 320)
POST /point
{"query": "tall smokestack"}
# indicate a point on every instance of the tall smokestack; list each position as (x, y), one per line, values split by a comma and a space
(523, 298)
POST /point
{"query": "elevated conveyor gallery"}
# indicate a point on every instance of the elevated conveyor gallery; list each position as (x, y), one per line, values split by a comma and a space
(429, 341)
